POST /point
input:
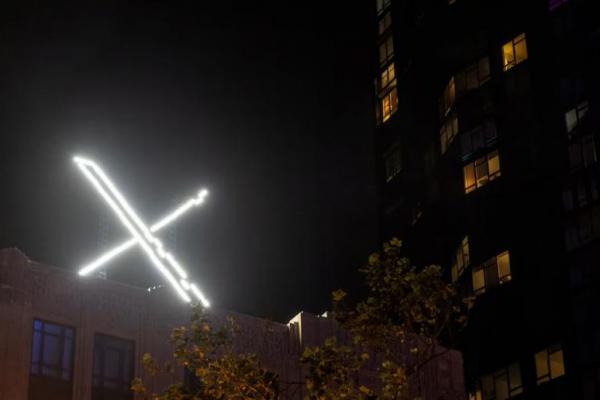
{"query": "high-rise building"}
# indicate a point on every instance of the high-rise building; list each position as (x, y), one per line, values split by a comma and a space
(487, 116)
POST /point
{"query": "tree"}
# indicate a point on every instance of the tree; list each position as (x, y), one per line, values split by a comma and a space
(219, 371)
(394, 331)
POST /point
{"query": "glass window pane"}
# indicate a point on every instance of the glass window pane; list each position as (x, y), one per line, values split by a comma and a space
(478, 281)
(521, 51)
(501, 381)
(514, 378)
(571, 120)
(36, 347)
(481, 171)
(541, 366)
(493, 164)
(52, 329)
(51, 353)
(469, 177)
(557, 366)
(508, 57)
(487, 387)
(503, 261)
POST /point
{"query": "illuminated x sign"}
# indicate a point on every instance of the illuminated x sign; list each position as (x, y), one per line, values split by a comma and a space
(141, 234)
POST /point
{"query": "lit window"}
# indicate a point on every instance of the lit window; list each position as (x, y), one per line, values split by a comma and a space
(447, 99)
(386, 50)
(482, 171)
(384, 23)
(389, 104)
(554, 4)
(112, 368)
(574, 116)
(461, 259)
(393, 164)
(549, 364)
(514, 52)
(473, 76)
(493, 272)
(448, 132)
(52, 351)
(582, 152)
(500, 385)
(382, 5)
(387, 77)
(478, 138)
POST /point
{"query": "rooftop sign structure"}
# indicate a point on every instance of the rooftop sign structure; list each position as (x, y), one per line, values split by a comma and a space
(142, 235)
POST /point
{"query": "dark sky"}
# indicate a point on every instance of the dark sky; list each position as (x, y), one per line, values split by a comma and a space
(268, 104)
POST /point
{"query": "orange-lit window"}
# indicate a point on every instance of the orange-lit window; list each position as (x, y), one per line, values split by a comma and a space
(481, 171)
(500, 385)
(384, 23)
(393, 163)
(448, 132)
(389, 104)
(575, 115)
(514, 52)
(382, 5)
(386, 50)
(461, 259)
(473, 76)
(447, 99)
(549, 364)
(387, 78)
(491, 273)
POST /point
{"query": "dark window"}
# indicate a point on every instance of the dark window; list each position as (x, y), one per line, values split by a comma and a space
(382, 5)
(473, 76)
(113, 368)
(582, 152)
(478, 138)
(52, 351)
(393, 163)
(582, 227)
(554, 4)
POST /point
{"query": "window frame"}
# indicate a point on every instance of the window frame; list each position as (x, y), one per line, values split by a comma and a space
(480, 171)
(547, 361)
(389, 104)
(62, 337)
(103, 341)
(511, 45)
(387, 44)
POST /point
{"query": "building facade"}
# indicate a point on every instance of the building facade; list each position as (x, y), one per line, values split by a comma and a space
(67, 338)
(487, 115)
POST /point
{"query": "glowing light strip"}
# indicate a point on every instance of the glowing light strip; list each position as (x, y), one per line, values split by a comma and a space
(166, 220)
(145, 239)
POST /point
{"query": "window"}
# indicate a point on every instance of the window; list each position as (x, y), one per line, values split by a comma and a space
(582, 192)
(447, 99)
(482, 171)
(554, 4)
(393, 164)
(478, 138)
(384, 23)
(473, 76)
(448, 132)
(52, 352)
(514, 52)
(386, 50)
(113, 368)
(549, 364)
(582, 227)
(382, 5)
(575, 115)
(461, 259)
(389, 104)
(582, 152)
(387, 78)
(500, 385)
(491, 273)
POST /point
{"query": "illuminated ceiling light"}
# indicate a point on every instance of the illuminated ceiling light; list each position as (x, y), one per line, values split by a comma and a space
(142, 236)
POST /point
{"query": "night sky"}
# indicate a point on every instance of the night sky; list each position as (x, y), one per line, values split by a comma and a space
(267, 104)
